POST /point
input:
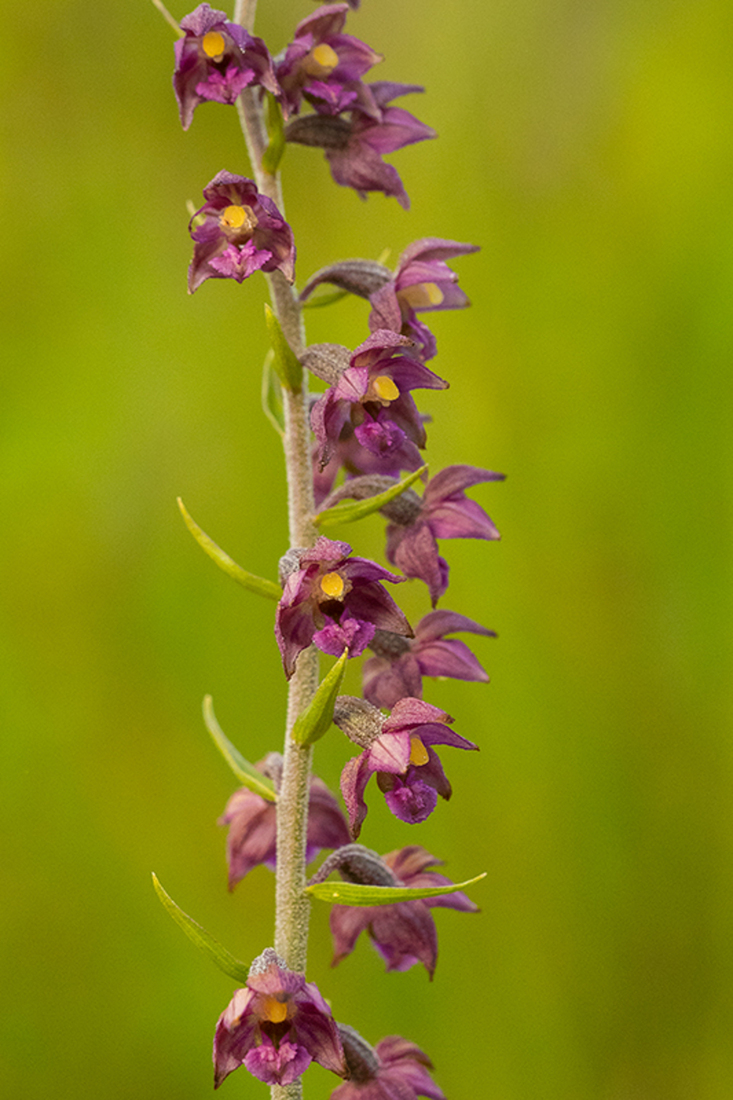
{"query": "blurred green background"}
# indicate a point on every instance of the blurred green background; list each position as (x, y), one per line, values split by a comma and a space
(587, 148)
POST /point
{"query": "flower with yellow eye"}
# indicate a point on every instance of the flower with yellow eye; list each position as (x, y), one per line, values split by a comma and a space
(236, 232)
(276, 1026)
(324, 64)
(372, 394)
(215, 60)
(398, 749)
(334, 601)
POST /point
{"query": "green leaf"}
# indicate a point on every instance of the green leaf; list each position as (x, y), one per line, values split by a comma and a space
(318, 715)
(326, 299)
(355, 893)
(351, 510)
(199, 936)
(248, 580)
(273, 154)
(245, 772)
(272, 395)
(288, 367)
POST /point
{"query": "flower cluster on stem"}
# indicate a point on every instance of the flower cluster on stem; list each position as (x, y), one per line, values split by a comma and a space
(352, 442)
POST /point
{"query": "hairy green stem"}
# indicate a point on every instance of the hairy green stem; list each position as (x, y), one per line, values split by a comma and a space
(292, 906)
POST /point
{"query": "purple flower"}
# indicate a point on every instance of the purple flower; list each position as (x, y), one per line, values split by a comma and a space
(334, 601)
(242, 231)
(372, 397)
(252, 822)
(443, 512)
(423, 281)
(399, 750)
(399, 664)
(276, 1026)
(349, 454)
(354, 147)
(394, 1070)
(403, 934)
(323, 63)
(215, 60)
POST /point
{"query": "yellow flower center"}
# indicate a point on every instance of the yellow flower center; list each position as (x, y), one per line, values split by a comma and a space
(274, 1010)
(422, 295)
(321, 61)
(418, 752)
(213, 45)
(238, 222)
(384, 389)
(332, 585)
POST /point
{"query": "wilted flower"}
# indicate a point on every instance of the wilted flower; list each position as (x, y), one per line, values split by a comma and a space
(252, 822)
(422, 282)
(399, 664)
(242, 231)
(398, 749)
(403, 933)
(443, 512)
(276, 1026)
(393, 1070)
(215, 60)
(335, 602)
(354, 147)
(323, 63)
(373, 395)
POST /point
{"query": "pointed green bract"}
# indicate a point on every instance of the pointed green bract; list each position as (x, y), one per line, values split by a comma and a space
(201, 938)
(355, 893)
(318, 715)
(249, 581)
(286, 364)
(272, 395)
(275, 131)
(349, 511)
(245, 772)
(327, 299)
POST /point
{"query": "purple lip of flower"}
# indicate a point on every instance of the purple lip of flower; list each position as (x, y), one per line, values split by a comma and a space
(215, 60)
(408, 770)
(356, 460)
(399, 664)
(252, 822)
(395, 1068)
(404, 934)
(422, 282)
(242, 232)
(372, 394)
(444, 512)
(336, 602)
(323, 62)
(276, 1026)
(354, 148)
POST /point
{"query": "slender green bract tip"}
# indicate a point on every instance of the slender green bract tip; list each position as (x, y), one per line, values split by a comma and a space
(245, 772)
(351, 510)
(201, 938)
(168, 17)
(287, 365)
(318, 715)
(356, 893)
(247, 580)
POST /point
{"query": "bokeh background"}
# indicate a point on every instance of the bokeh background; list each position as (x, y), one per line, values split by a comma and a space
(587, 148)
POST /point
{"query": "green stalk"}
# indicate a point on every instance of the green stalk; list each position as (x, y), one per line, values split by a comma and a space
(292, 905)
